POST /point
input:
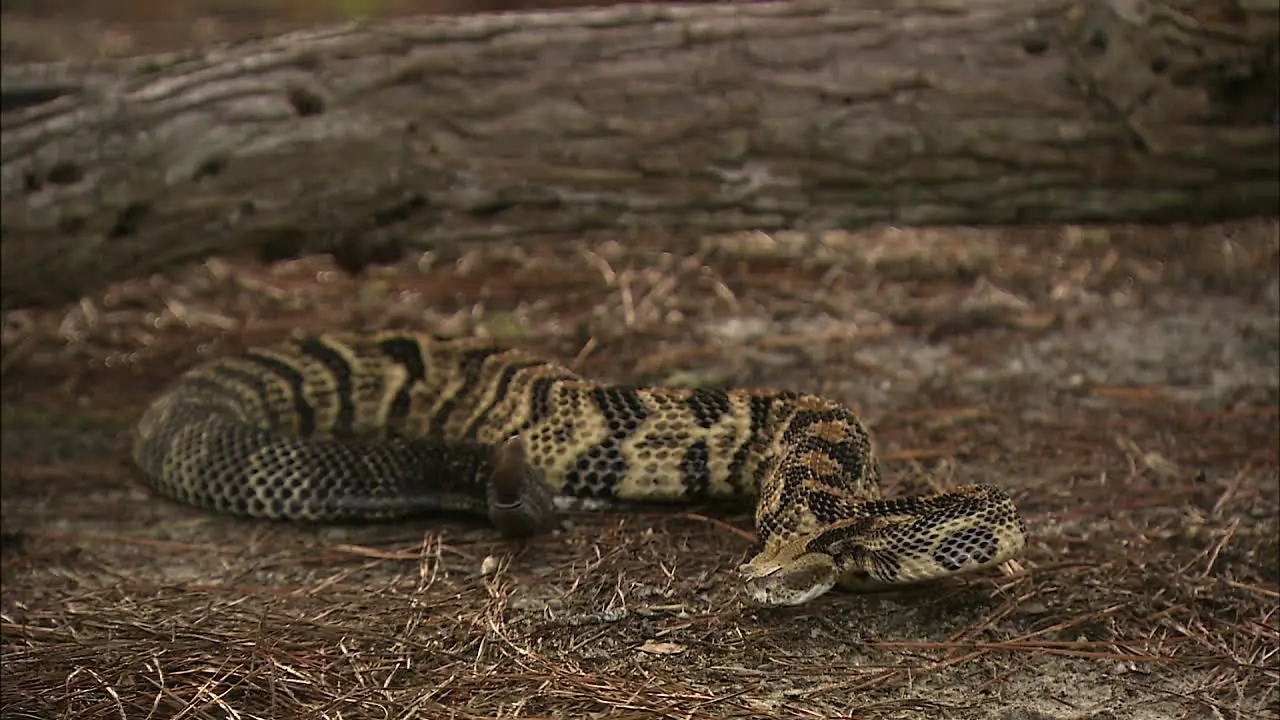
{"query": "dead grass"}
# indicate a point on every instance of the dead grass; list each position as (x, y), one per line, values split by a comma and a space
(1121, 382)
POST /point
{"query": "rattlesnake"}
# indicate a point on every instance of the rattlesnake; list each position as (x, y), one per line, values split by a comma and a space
(348, 426)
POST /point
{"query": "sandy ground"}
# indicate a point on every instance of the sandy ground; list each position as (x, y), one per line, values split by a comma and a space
(1122, 383)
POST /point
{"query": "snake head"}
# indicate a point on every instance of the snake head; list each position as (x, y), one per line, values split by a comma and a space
(895, 542)
(788, 575)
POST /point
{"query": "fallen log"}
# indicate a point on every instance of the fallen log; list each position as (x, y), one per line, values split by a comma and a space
(371, 138)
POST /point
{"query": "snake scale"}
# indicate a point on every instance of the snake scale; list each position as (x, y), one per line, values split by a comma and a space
(379, 425)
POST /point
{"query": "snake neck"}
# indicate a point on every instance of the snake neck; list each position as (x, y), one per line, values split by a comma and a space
(820, 458)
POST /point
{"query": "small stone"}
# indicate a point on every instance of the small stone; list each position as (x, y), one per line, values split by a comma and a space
(653, 647)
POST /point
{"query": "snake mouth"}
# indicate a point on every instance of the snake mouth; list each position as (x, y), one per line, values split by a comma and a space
(791, 581)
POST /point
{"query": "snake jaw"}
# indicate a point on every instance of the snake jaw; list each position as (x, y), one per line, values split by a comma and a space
(789, 576)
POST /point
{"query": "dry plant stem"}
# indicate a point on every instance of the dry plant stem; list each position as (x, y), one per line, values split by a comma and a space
(368, 138)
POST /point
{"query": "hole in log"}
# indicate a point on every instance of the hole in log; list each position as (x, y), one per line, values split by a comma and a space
(309, 61)
(354, 255)
(1035, 46)
(70, 224)
(128, 219)
(19, 98)
(402, 210)
(842, 99)
(31, 182)
(1248, 98)
(65, 172)
(490, 207)
(211, 167)
(280, 245)
(1159, 65)
(1097, 41)
(305, 102)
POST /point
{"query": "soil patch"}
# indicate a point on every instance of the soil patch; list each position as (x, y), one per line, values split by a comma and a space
(1122, 383)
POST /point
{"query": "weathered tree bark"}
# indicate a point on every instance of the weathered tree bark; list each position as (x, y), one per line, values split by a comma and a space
(402, 134)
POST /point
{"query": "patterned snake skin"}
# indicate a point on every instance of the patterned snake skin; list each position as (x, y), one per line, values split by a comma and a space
(385, 425)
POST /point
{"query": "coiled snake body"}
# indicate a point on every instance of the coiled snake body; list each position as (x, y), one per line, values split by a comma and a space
(351, 426)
